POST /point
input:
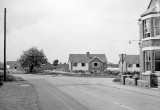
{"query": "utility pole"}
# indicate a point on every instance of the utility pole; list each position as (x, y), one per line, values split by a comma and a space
(5, 78)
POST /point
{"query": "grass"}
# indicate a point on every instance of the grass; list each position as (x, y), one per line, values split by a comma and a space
(14, 96)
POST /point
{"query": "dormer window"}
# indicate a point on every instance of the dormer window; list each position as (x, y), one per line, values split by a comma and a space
(146, 27)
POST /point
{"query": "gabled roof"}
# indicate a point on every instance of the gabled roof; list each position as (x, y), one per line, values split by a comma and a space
(82, 58)
(152, 8)
(12, 63)
(132, 59)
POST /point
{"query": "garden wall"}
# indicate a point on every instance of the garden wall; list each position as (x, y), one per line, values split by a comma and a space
(130, 81)
(143, 83)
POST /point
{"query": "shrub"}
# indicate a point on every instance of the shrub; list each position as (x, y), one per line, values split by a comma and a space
(132, 73)
(117, 80)
(154, 80)
(108, 72)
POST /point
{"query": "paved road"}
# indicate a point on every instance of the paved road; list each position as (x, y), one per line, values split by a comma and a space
(70, 93)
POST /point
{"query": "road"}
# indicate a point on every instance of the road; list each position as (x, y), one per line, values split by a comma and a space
(74, 93)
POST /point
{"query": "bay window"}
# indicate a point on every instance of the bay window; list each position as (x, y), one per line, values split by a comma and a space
(157, 60)
(147, 61)
(146, 27)
(156, 22)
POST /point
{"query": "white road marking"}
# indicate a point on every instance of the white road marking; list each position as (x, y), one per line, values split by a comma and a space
(86, 92)
(24, 85)
(89, 93)
(102, 98)
(123, 106)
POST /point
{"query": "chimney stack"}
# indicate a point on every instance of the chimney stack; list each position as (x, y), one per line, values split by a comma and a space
(87, 54)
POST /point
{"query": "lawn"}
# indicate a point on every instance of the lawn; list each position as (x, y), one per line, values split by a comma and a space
(18, 95)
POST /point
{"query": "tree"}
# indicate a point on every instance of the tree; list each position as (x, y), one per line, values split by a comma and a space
(32, 58)
(55, 62)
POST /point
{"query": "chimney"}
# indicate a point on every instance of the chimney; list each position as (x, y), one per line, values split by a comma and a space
(87, 54)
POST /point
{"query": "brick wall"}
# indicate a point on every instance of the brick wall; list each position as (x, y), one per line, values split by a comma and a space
(100, 68)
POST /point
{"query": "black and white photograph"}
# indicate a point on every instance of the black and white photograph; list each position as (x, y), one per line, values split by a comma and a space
(79, 54)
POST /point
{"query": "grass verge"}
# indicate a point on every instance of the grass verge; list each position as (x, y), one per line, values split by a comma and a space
(18, 95)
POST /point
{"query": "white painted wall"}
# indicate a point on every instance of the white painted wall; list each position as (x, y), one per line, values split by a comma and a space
(80, 67)
(133, 68)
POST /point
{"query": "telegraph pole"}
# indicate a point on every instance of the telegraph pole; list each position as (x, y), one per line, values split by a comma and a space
(5, 78)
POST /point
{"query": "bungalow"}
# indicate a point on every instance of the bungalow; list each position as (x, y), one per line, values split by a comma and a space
(129, 63)
(13, 65)
(88, 62)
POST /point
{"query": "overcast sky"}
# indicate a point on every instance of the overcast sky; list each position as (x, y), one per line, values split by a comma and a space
(63, 27)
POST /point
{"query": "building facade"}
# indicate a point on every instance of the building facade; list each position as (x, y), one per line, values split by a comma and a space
(149, 24)
(87, 62)
(130, 63)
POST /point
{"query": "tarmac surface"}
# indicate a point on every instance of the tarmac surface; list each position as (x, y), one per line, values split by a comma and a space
(77, 93)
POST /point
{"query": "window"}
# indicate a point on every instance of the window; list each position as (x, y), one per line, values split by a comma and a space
(157, 60)
(147, 61)
(129, 65)
(137, 65)
(96, 64)
(156, 21)
(146, 27)
(75, 64)
(83, 64)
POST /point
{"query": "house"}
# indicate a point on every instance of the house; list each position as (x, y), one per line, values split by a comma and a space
(129, 63)
(88, 62)
(149, 25)
(1, 66)
(13, 65)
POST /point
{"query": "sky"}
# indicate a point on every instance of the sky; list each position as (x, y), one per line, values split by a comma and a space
(63, 27)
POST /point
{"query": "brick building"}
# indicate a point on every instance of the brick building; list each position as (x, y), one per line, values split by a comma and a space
(88, 62)
(149, 24)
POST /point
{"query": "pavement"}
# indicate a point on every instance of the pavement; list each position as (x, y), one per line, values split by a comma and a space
(77, 93)
(148, 91)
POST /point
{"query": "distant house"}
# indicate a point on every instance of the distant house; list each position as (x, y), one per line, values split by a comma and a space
(88, 62)
(130, 63)
(13, 65)
(1, 66)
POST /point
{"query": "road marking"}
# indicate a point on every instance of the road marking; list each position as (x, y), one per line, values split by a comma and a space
(24, 85)
(86, 92)
(89, 93)
(102, 98)
(123, 106)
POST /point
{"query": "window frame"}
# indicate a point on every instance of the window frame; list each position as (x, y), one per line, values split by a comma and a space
(75, 64)
(130, 65)
(98, 64)
(154, 25)
(156, 60)
(147, 60)
(146, 28)
(137, 66)
(83, 65)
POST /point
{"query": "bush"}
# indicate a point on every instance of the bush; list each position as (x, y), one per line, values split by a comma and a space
(117, 80)
(154, 80)
(132, 73)
(9, 78)
(108, 72)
